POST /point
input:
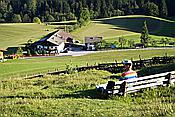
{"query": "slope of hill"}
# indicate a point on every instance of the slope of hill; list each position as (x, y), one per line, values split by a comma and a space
(74, 95)
(15, 34)
(110, 28)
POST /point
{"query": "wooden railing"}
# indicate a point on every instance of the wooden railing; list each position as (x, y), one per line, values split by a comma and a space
(136, 84)
(117, 67)
(114, 67)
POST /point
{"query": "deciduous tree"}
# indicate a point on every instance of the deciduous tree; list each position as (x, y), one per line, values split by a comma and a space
(122, 41)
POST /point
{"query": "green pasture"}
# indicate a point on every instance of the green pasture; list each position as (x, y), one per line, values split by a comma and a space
(127, 26)
(16, 68)
(75, 95)
(136, 38)
(15, 34)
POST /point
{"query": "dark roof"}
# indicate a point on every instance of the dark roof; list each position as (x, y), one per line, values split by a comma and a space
(93, 39)
(55, 38)
(64, 35)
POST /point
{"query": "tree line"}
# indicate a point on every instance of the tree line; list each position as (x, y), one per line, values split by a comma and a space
(62, 10)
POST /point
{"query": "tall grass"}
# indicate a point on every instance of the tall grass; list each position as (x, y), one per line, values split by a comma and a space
(75, 95)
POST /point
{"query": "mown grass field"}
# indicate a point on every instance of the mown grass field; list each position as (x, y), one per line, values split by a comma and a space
(15, 68)
(14, 34)
(127, 26)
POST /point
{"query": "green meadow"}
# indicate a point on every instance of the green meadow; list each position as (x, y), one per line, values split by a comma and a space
(75, 95)
(127, 26)
(15, 34)
(16, 68)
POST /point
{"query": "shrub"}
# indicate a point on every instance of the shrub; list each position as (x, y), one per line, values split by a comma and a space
(36, 20)
(16, 18)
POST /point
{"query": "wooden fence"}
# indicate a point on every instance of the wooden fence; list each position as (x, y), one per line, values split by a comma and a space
(136, 84)
(114, 67)
(117, 67)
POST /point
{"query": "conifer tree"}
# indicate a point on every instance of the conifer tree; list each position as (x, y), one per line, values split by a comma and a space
(84, 17)
(163, 9)
(144, 35)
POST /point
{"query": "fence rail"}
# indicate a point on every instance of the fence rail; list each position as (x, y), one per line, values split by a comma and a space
(115, 67)
(118, 66)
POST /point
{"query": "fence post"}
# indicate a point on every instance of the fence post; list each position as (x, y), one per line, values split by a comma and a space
(123, 88)
(168, 76)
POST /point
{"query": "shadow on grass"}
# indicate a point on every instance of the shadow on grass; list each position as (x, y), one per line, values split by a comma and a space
(90, 94)
(135, 24)
(156, 69)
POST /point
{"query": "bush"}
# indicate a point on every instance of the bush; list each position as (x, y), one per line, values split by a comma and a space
(19, 52)
(16, 18)
(36, 20)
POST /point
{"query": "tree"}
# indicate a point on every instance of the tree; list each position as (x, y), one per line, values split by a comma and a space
(9, 8)
(26, 18)
(84, 17)
(163, 9)
(122, 41)
(36, 20)
(70, 16)
(151, 8)
(16, 18)
(32, 4)
(66, 7)
(153, 42)
(103, 9)
(27, 46)
(97, 5)
(144, 35)
(50, 18)
(3, 6)
(1, 18)
(97, 8)
(165, 41)
(131, 43)
(19, 52)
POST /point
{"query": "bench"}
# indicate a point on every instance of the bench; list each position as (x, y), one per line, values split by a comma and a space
(136, 84)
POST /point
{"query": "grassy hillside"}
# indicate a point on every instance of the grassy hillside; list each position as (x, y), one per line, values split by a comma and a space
(26, 66)
(14, 34)
(110, 28)
(75, 96)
